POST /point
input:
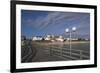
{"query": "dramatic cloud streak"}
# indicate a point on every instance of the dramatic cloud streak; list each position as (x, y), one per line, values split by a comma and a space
(45, 22)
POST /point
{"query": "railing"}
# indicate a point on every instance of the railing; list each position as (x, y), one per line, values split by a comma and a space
(27, 53)
(66, 53)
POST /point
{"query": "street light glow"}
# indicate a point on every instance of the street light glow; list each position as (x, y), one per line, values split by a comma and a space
(74, 29)
(66, 30)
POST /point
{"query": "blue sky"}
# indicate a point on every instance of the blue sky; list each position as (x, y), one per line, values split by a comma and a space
(41, 23)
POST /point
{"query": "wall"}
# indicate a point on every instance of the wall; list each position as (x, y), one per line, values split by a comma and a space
(5, 35)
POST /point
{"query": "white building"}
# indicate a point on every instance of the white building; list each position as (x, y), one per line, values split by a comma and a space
(51, 38)
(60, 38)
(48, 37)
(74, 39)
(37, 38)
(86, 39)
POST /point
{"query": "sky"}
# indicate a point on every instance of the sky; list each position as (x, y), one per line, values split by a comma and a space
(41, 23)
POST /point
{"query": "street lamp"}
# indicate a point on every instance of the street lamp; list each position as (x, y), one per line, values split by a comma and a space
(74, 29)
(70, 32)
(66, 30)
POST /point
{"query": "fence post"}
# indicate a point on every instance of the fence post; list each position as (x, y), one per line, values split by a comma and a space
(80, 54)
(61, 51)
(50, 51)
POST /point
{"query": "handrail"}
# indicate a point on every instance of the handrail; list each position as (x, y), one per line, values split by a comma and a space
(72, 54)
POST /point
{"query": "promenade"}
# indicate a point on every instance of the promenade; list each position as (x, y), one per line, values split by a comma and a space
(44, 52)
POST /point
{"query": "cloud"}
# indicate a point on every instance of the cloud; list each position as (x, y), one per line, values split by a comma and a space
(60, 20)
(53, 18)
(56, 18)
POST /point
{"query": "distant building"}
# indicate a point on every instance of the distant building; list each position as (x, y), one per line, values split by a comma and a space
(48, 37)
(59, 38)
(86, 39)
(67, 38)
(73, 39)
(36, 38)
(54, 38)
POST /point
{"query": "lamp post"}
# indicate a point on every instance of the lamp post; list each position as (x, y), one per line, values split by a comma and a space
(70, 39)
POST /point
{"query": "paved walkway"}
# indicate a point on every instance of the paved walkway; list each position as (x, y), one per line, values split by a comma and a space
(37, 53)
(43, 56)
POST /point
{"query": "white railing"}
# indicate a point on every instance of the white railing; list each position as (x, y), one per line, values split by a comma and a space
(66, 53)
